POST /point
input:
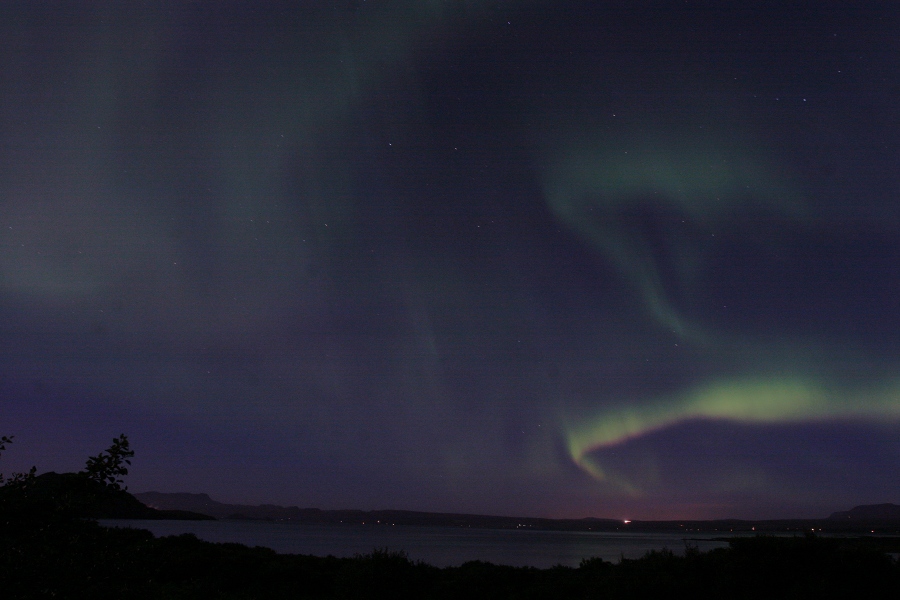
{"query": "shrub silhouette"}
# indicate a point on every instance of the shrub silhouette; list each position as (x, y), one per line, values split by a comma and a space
(108, 466)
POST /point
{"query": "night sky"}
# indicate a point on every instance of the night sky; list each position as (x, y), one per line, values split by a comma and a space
(565, 259)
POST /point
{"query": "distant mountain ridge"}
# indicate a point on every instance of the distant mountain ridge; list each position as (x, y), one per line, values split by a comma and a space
(883, 516)
(869, 512)
(202, 503)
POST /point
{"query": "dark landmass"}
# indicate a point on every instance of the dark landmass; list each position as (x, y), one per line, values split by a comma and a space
(80, 559)
(48, 549)
(202, 503)
(869, 512)
(82, 497)
(881, 518)
(51, 546)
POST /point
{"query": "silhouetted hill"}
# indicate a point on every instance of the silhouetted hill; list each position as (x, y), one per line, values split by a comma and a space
(78, 495)
(202, 503)
(869, 513)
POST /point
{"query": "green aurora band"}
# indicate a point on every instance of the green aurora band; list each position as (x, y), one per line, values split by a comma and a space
(709, 181)
(704, 179)
(758, 400)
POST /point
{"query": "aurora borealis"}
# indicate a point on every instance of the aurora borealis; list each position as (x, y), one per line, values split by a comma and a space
(549, 259)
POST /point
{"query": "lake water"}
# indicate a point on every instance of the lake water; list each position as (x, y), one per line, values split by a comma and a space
(438, 546)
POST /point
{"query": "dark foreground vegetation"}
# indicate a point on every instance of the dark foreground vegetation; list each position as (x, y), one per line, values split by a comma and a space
(85, 560)
(50, 547)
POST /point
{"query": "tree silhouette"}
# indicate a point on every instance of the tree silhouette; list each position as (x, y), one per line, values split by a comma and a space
(3, 442)
(108, 466)
(20, 480)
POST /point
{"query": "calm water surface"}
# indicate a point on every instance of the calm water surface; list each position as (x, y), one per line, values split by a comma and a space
(439, 546)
